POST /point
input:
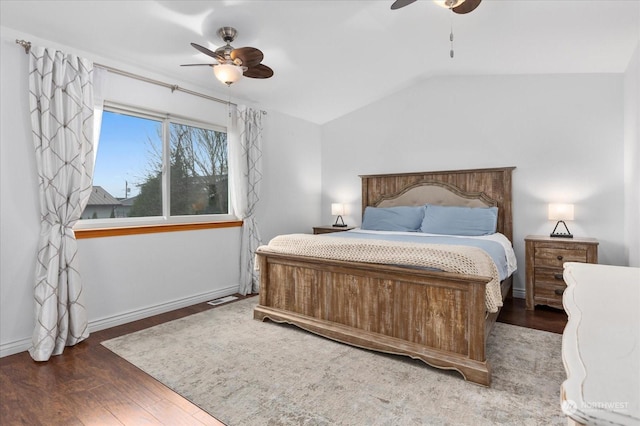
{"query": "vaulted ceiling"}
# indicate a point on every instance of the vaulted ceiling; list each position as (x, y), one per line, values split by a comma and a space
(331, 57)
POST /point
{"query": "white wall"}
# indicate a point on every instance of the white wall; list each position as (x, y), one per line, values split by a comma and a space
(563, 133)
(19, 207)
(290, 202)
(131, 277)
(632, 158)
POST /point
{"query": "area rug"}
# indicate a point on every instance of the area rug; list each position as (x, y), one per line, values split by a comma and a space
(246, 372)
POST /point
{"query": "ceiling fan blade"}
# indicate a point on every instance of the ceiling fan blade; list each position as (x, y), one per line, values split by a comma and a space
(401, 3)
(250, 56)
(259, 71)
(208, 52)
(466, 7)
(197, 65)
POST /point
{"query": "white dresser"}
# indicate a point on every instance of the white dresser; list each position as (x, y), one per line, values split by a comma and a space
(601, 345)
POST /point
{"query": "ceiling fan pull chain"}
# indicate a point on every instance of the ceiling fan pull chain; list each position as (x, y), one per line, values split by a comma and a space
(451, 38)
(451, 35)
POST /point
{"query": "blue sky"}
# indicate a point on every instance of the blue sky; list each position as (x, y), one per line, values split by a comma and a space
(124, 152)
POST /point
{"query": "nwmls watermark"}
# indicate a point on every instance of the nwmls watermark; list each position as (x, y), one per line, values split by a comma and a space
(570, 407)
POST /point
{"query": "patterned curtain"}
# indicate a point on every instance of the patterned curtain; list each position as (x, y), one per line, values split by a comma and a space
(245, 156)
(61, 102)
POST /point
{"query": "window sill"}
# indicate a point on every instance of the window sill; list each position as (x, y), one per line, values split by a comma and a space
(152, 229)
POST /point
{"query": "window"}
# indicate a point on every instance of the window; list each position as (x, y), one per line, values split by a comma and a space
(157, 167)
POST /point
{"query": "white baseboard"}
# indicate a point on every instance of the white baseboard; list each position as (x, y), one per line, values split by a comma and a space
(518, 293)
(108, 322)
(15, 347)
(24, 344)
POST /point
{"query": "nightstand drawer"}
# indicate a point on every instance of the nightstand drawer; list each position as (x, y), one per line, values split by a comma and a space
(550, 293)
(556, 257)
(551, 276)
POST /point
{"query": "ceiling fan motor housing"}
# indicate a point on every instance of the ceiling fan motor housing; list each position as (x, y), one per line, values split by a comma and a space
(228, 34)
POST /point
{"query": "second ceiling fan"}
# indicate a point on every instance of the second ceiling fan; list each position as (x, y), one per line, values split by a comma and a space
(458, 6)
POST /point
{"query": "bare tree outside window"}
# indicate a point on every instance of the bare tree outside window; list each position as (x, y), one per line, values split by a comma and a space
(199, 171)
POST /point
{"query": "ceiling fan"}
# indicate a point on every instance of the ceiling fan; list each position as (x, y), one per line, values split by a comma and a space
(234, 63)
(458, 6)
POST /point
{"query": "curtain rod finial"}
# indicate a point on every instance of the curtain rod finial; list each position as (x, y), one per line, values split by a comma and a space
(25, 44)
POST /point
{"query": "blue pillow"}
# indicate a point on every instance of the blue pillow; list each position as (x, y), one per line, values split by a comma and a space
(403, 218)
(449, 220)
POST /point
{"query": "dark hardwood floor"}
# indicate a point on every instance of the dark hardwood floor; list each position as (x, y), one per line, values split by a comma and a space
(89, 385)
(542, 318)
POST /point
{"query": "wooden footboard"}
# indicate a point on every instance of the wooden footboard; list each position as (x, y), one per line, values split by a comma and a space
(437, 317)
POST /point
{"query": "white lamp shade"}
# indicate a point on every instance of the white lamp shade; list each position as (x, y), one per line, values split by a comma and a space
(227, 73)
(560, 211)
(337, 209)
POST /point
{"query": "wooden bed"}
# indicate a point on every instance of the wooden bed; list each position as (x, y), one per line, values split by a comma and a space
(437, 317)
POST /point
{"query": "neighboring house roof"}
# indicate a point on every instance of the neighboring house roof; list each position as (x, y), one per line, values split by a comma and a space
(101, 197)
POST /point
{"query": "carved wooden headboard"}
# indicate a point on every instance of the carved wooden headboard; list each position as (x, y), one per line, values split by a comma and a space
(472, 188)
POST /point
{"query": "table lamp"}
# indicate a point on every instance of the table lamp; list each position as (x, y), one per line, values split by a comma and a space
(561, 212)
(338, 209)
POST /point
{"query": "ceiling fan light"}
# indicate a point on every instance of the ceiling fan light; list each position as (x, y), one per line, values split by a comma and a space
(449, 4)
(227, 73)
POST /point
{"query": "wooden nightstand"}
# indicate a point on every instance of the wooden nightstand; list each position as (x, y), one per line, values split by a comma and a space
(544, 259)
(327, 229)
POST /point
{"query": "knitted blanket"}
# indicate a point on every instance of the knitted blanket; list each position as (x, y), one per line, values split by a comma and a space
(448, 258)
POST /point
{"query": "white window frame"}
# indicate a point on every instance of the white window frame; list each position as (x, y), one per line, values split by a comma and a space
(166, 219)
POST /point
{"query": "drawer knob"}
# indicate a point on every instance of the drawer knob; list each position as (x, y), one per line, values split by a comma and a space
(559, 257)
(559, 291)
(557, 276)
